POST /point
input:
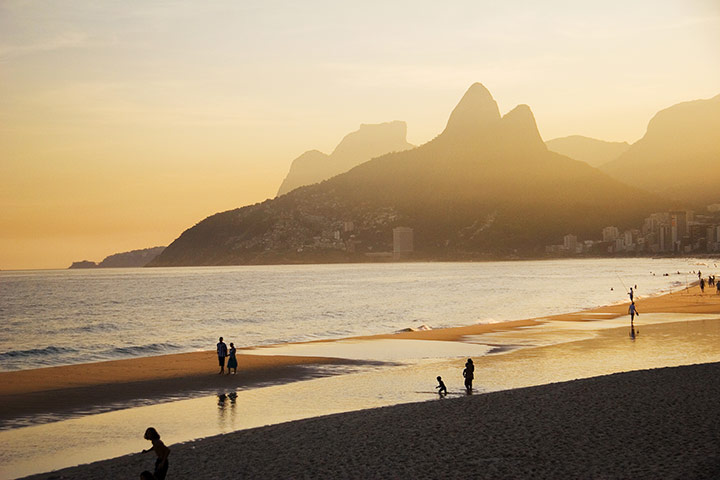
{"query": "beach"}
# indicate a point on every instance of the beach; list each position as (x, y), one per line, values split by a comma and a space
(647, 424)
(455, 436)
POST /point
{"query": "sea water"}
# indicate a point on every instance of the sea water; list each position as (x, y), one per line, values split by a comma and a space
(66, 317)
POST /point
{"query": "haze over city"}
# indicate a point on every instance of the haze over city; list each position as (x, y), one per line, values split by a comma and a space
(123, 124)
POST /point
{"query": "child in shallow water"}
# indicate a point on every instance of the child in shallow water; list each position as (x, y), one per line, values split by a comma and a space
(441, 386)
(161, 450)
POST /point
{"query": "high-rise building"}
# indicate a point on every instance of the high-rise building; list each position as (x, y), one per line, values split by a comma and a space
(402, 241)
(679, 224)
(570, 243)
(610, 234)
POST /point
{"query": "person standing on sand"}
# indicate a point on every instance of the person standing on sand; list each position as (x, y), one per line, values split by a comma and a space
(232, 361)
(633, 311)
(161, 450)
(631, 294)
(221, 353)
(702, 285)
(469, 374)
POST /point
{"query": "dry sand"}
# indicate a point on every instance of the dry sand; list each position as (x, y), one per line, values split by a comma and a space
(652, 424)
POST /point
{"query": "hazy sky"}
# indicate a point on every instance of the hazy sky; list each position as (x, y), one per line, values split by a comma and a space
(122, 123)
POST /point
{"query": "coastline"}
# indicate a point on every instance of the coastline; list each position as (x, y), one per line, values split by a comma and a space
(77, 387)
(107, 384)
(647, 424)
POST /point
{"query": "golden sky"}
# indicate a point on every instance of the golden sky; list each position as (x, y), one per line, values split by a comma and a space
(122, 123)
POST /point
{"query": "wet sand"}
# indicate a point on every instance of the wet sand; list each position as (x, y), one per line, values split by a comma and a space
(661, 423)
(57, 388)
(115, 384)
(103, 384)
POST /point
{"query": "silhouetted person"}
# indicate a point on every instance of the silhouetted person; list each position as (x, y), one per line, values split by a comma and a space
(469, 374)
(702, 285)
(633, 311)
(631, 294)
(146, 475)
(232, 361)
(221, 353)
(717, 286)
(162, 452)
(441, 386)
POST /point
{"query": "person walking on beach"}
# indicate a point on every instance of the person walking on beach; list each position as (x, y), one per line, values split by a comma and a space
(161, 450)
(469, 374)
(442, 388)
(633, 311)
(702, 285)
(221, 353)
(631, 294)
(232, 361)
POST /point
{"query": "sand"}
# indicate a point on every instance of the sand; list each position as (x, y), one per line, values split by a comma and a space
(652, 424)
(596, 428)
(105, 385)
(113, 382)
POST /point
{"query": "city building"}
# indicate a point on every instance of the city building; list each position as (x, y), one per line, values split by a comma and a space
(610, 234)
(402, 242)
(570, 243)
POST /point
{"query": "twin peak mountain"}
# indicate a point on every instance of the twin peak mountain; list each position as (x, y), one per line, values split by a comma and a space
(486, 187)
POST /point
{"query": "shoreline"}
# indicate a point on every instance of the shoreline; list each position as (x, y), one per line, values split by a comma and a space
(106, 385)
(354, 386)
(647, 424)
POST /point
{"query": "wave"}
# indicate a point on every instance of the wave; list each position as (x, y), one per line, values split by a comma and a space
(98, 327)
(37, 352)
(142, 350)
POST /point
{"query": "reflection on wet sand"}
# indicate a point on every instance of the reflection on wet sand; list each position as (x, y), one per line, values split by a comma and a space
(226, 403)
(602, 351)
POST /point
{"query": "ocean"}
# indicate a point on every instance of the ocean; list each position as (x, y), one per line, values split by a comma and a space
(63, 317)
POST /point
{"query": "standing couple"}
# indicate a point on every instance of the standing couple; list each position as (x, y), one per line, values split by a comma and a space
(222, 352)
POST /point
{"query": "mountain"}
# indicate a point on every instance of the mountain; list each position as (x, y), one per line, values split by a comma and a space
(589, 150)
(679, 156)
(134, 258)
(486, 187)
(355, 148)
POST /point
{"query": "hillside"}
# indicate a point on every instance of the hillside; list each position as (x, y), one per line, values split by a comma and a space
(679, 156)
(134, 258)
(355, 148)
(486, 187)
(589, 150)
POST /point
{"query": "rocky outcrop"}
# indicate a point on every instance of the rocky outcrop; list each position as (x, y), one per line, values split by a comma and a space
(679, 155)
(134, 258)
(368, 142)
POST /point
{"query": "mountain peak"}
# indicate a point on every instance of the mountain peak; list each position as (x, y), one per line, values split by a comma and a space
(477, 109)
(520, 130)
(369, 141)
(368, 136)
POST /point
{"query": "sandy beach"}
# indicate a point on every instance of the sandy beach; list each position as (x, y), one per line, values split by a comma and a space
(455, 437)
(77, 386)
(647, 424)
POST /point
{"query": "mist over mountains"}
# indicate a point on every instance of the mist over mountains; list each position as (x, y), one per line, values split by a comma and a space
(486, 187)
(679, 155)
(371, 140)
(592, 151)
